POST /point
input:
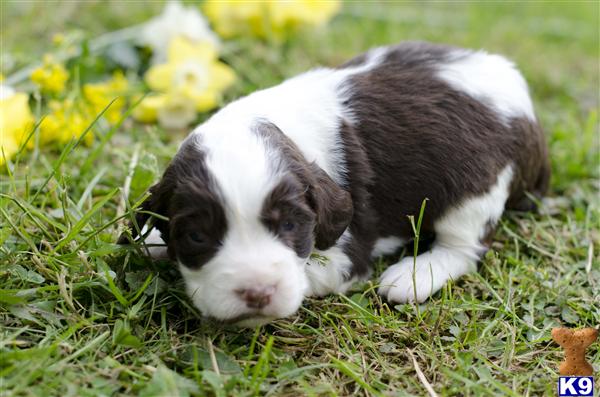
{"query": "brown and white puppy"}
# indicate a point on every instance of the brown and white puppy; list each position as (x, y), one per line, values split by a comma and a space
(332, 162)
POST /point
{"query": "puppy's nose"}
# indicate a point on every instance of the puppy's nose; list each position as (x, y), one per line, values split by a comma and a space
(257, 297)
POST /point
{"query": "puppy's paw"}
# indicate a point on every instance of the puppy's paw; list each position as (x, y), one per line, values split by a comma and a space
(398, 285)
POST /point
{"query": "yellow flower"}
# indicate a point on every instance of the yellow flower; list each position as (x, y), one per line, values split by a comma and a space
(289, 15)
(51, 77)
(99, 95)
(58, 39)
(191, 81)
(16, 121)
(8, 147)
(190, 65)
(235, 19)
(177, 111)
(147, 110)
(67, 120)
(268, 18)
(173, 110)
(175, 20)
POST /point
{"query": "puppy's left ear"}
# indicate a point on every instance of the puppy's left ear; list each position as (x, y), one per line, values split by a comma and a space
(333, 206)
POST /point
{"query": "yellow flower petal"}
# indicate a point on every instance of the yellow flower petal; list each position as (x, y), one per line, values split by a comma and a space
(51, 77)
(190, 75)
(182, 49)
(221, 76)
(58, 39)
(67, 120)
(229, 20)
(191, 81)
(50, 129)
(203, 101)
(159, 77)
(147, 110)
(269, 18)
(16, 122)
(100, 95)
(8, 147)
(177, 113)
(309, 12)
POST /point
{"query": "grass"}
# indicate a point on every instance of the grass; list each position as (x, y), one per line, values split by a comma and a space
(82, 316)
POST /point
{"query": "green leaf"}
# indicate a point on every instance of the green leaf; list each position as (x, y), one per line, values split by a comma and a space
(227, 365)
(23, 312)
(135, 280)
(454, 330)
(360, 300)
(144, 174)
(105, 250)
(215, 381)
(27, 275)
(122, 335)
(166, 382)
(569, 315)
(85, 219)
(319, 259)
(10, 297)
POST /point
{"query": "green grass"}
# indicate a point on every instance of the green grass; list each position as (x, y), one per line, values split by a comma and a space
(82, 316)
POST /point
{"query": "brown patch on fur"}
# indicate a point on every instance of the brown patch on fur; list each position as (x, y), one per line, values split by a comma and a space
(411, 137)
(287, 205)
(424, 139)
(331, 204)
(188, 197)
(533, 166)
(363, 229)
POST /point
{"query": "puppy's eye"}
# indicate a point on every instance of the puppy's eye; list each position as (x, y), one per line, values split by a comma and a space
(195, 237)
(288, 226)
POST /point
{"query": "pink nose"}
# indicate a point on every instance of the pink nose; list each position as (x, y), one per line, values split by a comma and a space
(256, 298)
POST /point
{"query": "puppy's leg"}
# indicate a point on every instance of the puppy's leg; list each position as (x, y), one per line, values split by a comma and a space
(458, 246)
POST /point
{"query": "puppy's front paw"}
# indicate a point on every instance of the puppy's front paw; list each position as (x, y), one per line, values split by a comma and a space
(397, 283)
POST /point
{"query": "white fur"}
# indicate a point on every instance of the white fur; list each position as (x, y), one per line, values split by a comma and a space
(387, 246)
(329, 273)
(491, 79)
(308, 109)
(250, 258)
(158, 249)
(455, 251)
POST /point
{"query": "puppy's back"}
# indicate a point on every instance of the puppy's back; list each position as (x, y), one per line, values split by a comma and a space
(442, 123)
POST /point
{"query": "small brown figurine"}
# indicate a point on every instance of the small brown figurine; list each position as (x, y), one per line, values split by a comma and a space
(574, 343)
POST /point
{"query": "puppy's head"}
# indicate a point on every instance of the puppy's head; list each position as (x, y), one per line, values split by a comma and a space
(243, 217)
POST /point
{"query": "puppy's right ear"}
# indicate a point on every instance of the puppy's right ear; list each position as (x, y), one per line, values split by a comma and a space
(157, 203)
(333, 206)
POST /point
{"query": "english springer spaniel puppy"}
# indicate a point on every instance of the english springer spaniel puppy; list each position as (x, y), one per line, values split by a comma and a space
(332, 163)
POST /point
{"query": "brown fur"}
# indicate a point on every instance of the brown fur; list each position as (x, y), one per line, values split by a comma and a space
(412, 137)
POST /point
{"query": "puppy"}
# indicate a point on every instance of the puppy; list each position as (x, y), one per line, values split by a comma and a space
(332, 163)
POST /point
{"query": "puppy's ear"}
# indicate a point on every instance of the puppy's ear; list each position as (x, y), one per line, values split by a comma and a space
(333, 206)
(157, 203)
